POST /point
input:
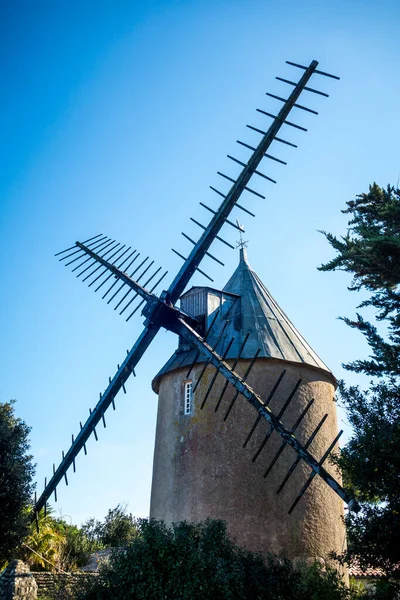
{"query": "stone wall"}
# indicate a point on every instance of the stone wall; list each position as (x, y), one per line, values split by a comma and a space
(16, 581)
(57, 585)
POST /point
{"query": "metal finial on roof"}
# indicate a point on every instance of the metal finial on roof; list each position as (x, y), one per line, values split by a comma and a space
(241, 243)
(243, 255)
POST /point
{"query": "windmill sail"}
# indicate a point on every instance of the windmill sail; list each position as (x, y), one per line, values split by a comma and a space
(105, 260)
(97, 414)
(101, 260)
(184, 330)
(240, 184)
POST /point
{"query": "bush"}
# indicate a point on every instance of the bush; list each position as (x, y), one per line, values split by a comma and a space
(119, 528)
(200, 562)
(384, 590)
(77, 546)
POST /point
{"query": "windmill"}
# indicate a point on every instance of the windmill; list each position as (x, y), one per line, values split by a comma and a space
(129, 283)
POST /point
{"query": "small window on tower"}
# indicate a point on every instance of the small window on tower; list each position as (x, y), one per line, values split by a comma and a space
(188, 396)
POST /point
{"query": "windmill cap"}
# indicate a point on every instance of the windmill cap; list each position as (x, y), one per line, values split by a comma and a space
(245, 307)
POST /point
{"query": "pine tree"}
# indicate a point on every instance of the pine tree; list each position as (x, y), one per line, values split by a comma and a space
(370, 251)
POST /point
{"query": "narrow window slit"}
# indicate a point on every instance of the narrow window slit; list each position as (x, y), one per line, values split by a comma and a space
(188, 397)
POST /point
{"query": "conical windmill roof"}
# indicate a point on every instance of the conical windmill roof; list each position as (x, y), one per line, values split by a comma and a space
(269, 327)
(251, 310)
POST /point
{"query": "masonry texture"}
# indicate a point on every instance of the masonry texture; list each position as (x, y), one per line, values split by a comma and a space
(202, 470)
(52, 585)
(17, 582)
(200, 467)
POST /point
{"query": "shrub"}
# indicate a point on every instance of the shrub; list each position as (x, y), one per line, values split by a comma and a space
(199, 562)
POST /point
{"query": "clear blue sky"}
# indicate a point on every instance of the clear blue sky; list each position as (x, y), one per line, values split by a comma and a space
(115, 118)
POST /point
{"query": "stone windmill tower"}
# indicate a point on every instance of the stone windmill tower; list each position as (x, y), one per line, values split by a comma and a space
(213, 458)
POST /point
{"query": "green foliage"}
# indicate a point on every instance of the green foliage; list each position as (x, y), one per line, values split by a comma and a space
(43, 547)
(60, 545)
(371, 461)
(371, 253)
(92, 528)
(77, 546)
(118, 528)
(200, 562)
(385, 590)
(55, 544)
(371, 249)
(371, 466)
(374, 538)
(16, 473)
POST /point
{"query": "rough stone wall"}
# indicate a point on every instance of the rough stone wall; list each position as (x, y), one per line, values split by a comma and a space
(16, 582)
(56, 585)
(202, 470)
